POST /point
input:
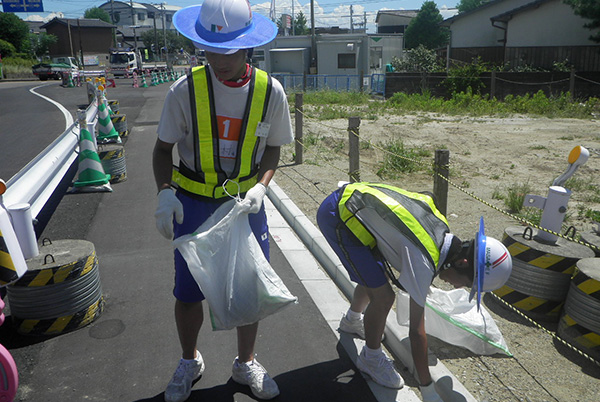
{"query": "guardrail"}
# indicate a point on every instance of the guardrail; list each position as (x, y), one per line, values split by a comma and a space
(30, 189)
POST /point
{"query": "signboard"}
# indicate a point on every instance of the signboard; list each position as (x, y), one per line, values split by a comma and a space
(22, 6)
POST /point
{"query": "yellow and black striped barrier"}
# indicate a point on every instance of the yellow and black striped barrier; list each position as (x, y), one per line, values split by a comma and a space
(112, 157)
(541, 274)
(60, 292)
(580, 321)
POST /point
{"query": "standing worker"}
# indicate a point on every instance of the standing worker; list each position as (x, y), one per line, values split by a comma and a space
(373, 226)
(228, 120)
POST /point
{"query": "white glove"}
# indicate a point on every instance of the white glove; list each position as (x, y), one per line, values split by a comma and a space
(168, 204)
(254, 198)
(429, 393)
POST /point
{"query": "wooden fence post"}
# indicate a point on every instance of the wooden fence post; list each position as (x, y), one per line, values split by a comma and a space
(298, 117)
(572, 84)
(493, 85)
(353, 151)
(440, 186)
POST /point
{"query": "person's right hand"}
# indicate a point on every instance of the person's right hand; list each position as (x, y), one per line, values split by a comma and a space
(168, 204)
(429, 393)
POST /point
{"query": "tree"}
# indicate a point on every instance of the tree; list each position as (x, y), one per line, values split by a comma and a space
(300, 22)
(14, 30)
(589, 9)
(98, 13)
(174, 42)
(40, 43)
(425, 28)
(468, 5)
(419, 60)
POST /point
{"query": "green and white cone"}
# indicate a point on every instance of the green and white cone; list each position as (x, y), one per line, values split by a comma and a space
(90, 171)
(144, 84)
(106, 130)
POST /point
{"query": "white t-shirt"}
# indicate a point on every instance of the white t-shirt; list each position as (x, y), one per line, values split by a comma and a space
(175, 126)
(416, 271)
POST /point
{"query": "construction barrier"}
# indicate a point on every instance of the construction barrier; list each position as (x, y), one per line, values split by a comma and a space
(593, 237)
(112, 157)
(580, 320)
(60, 292)
(119, 122)
(541, 273)
(114, 105)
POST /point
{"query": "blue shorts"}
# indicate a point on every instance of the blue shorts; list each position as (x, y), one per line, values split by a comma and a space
(365, 266)
(195, 212)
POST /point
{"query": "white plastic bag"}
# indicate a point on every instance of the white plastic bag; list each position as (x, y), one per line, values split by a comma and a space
(228, 264)
(450, 316)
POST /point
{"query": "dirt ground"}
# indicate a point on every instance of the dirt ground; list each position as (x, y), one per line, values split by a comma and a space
(488, 156)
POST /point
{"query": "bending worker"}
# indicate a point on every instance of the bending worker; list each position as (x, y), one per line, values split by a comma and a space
(374, 226)
(228, 120)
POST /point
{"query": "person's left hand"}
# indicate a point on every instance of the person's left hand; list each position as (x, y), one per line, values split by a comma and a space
(254, 198)
(429, 393)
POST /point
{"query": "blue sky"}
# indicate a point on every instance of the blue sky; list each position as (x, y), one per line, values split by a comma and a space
(327, 12)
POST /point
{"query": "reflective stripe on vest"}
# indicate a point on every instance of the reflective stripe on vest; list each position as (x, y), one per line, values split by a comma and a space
(413, 214)
(208, 178)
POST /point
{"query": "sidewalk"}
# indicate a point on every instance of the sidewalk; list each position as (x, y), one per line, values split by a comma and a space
(130, 352)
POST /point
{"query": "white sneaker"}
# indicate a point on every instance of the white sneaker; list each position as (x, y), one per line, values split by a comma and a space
(180, 386)
(356, 327)
(381, 370)
(254, 374)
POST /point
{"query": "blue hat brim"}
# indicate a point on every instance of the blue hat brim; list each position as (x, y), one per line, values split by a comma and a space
(263, 32)
(480, 244)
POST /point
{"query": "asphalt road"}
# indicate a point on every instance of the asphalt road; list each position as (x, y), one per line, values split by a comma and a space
(129, 353)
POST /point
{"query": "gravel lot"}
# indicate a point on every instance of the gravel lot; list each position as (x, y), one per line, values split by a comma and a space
(488, 156)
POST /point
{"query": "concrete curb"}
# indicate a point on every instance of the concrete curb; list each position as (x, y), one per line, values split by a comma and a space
(396, 336)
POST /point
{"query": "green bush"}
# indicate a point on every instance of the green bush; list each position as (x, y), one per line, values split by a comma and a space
(6, 49)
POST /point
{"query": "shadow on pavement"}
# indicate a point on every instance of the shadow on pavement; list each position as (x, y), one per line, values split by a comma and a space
(325, 381)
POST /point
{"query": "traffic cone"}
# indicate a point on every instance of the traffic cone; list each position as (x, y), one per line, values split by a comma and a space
(144, 84)
(135, 80)
(154, 79)
(106, 130)
(160, 78)
(90, 173)
(70, 83)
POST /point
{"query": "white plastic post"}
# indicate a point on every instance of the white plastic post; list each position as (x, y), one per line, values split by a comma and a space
(554, 212)
(20, 215)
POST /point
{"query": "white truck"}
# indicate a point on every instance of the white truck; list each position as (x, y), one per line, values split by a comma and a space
(56, 68)
(125, 62)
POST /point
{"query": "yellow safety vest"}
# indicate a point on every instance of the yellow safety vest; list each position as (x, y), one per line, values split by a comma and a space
(207, 177)
(413, 214)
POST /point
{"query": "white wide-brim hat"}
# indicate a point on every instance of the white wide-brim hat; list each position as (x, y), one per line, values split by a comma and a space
(224, 26)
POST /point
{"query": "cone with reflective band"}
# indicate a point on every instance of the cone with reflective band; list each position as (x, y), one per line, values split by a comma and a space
(106, 130)
(144, 84)
(90, 171)
(70, 83)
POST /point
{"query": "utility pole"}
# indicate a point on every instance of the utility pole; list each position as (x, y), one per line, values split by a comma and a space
(313, 42)
(351, 22)
(133, 24)
(162, 6)
(112, 20)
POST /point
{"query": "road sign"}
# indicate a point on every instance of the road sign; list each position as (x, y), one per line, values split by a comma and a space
(22, 6)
